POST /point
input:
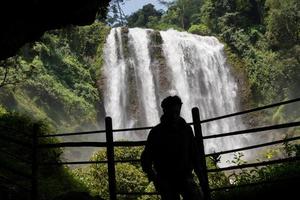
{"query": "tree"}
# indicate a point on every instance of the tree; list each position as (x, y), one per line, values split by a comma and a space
(232, 13)
(183, 13)
(283, 23)
(142, 17)
(13, 71)
(116, 16)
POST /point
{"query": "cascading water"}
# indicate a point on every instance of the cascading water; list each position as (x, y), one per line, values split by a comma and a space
(143, 66)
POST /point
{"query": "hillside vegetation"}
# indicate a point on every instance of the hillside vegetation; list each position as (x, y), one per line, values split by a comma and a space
(54, 81)
(55, 78)
(262, 39)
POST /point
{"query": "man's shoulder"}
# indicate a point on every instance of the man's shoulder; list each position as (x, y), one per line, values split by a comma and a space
(156, 128)
(154, 132)
(184, 124)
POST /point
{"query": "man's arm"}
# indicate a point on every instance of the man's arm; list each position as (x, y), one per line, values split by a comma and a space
(147, 160)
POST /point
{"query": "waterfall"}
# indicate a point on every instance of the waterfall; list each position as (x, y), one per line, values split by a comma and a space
(143, 66)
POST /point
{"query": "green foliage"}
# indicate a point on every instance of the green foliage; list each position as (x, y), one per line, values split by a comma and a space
(218, 179)
(52, 180)
(283, 23)
(129, 176)
(282, 175)
(2, 110)
(63, 90)
(181, 14)
(265, 72)
(263, 34)
(144, 17)
(14, 71)
(165, 26)
(187, 12)
(200, 29)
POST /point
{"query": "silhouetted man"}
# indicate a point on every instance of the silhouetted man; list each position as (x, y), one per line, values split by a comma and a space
(169, 156)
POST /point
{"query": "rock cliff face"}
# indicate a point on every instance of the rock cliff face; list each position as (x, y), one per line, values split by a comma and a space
(24, 21)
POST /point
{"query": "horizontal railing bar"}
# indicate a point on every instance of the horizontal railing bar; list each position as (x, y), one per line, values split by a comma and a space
(88, 162)
(129, 143)
(253, 146)
(260, 129)
(128, 161)
(9, 139)
(271, 162)
(72, 134)
(92, 144)
(254, 184)
(94, 132)
(251, 110)
(137, 193)
(74, 163)
(133, 129)
(73, 144)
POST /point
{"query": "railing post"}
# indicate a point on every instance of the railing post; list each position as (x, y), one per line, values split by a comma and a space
(34, 164)
(200, 144)
(110, 159)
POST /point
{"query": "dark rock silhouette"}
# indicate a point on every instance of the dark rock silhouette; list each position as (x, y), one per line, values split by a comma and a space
(25, 21)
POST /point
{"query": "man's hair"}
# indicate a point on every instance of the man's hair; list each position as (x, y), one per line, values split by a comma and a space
(171, 101)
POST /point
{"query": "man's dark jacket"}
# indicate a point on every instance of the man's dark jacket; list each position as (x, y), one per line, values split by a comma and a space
(171, 149)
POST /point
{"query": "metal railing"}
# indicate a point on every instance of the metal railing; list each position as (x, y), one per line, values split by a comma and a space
(110, 144)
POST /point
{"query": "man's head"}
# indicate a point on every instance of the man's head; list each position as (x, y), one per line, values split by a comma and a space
(171, 107)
